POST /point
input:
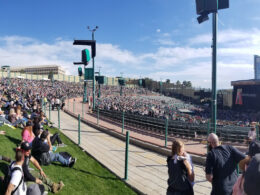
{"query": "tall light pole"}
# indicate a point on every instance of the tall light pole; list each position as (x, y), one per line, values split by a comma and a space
(93, 30)
(205, 7)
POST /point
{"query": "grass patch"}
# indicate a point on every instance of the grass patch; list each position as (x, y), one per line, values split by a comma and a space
(86, 177)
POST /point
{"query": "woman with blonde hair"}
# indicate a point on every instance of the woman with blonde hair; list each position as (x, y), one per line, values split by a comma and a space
(180, 171)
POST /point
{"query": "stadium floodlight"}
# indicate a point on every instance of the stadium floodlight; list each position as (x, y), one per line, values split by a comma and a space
(203, 8)
(202, 18)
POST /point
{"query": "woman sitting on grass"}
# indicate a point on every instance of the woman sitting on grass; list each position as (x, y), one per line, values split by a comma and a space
(27, 133)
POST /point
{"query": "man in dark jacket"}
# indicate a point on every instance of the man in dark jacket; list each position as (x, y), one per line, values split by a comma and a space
(42, 151)
(221, 166)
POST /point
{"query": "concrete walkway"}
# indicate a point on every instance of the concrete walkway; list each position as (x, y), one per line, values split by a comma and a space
(147, 171)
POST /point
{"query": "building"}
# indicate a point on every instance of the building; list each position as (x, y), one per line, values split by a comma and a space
(39, 70)
(246, 94)
(257, 66)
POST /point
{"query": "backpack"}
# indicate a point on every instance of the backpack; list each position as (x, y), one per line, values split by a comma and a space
(8, 175)
(178, 180)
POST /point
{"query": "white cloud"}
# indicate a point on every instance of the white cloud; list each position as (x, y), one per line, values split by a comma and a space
(158, 30)
(188, 62)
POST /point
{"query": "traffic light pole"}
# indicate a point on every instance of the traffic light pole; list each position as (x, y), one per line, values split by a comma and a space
(93, 60)
(214, 74)
(85, 96)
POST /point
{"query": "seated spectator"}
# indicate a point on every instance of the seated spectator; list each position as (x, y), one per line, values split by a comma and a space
(27, 133)
(13, 118)
(180, 171)
(42, 151)
(37, 177)
(17, 184)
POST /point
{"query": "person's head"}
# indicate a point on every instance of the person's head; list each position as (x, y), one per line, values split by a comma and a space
(25, 146)
(11, 112)
(253, 129)
(19, 156)
(177, 148)
(213, 140)
(44, 135)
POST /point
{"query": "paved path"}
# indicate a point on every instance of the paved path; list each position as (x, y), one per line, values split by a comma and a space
(147, 170)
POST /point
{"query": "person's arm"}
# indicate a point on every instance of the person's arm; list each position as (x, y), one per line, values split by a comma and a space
(37, 165)
(189, 170)
(209, 167)
(10, 188)
(49, 142)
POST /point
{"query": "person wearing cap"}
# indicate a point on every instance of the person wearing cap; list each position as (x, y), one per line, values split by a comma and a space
(221, 164)
(34, 176)
(42, 151)
(251, 135)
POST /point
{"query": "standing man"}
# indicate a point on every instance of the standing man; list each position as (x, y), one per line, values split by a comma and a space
(221, 166)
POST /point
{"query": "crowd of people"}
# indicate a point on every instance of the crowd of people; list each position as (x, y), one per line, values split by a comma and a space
(21, 105)
(154, 105)
(220, 170)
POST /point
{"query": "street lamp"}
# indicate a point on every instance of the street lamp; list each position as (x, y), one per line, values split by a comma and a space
(93, 30)
(205, 7)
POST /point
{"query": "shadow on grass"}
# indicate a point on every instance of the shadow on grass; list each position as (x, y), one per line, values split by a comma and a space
(14, 140)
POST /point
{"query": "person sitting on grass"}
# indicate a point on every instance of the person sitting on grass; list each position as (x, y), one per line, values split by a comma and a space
(27, 133)
(34, 176)
(42, 151)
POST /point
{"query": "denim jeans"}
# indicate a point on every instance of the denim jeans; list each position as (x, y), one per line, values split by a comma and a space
(56, 157)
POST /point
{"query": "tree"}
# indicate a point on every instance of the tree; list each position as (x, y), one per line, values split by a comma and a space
(168, 81)
(178, 83)
(50, 75)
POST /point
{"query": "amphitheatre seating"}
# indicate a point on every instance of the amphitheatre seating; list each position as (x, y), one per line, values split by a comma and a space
(176, 128)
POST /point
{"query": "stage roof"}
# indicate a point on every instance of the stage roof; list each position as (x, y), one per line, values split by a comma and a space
(246, 82)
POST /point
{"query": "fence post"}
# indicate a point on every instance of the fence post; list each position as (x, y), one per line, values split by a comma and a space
(126, 155)
(49, 112)
(59, 117)
(166, 131)
(79, 129)
(73, 105)
(98, 116)
(123, 121)
(82, 110)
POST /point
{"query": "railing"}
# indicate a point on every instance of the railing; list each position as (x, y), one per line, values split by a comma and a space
(175, 128)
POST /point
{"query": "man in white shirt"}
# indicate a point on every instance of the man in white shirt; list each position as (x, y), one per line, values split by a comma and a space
(17, 185)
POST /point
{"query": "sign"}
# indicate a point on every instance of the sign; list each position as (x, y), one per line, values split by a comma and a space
(88, 74)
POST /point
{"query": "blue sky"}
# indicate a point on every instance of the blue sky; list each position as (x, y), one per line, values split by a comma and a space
(159, 39)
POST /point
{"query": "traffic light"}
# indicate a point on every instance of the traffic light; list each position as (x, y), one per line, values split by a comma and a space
(121, 81)
(80, 71)
(85, 57)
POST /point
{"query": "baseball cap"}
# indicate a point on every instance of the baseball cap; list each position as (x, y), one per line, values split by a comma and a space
(26, 146)
(254, 148)
(252, 176)
(29, 123)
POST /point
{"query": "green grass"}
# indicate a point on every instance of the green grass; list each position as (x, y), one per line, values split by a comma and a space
(86, 177)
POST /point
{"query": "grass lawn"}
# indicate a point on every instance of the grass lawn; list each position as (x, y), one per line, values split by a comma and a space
(86, 177)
